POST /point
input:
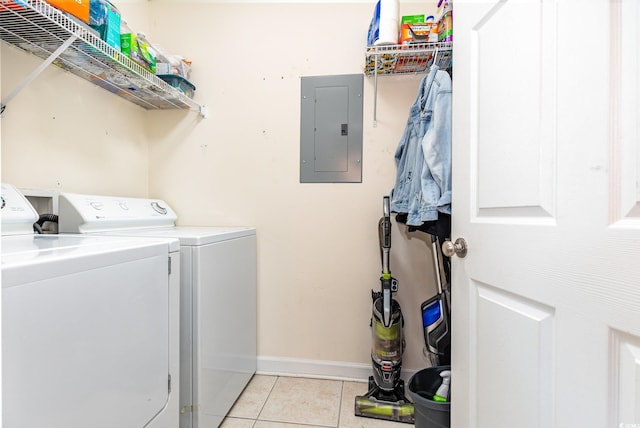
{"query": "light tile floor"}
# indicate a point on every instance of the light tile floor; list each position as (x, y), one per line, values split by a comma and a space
(293, 402)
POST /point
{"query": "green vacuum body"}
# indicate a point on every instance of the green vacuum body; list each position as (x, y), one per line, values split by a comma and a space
(387, 346)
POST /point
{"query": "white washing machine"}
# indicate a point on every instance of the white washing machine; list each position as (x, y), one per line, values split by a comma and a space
(218, 296)
(89, 327)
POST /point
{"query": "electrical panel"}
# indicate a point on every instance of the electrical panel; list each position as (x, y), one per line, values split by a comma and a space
(331, 129)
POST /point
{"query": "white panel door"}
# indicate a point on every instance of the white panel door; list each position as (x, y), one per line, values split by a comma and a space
(546, 187)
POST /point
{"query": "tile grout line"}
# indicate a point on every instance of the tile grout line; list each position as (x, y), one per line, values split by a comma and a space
(265, 400)
(259, 418)
(337, 425)
(340, 403)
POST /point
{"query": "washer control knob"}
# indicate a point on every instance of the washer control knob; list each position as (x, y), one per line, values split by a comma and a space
(96, 205)
(158, 208)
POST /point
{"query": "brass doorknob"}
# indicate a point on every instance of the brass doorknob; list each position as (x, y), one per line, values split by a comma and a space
(458, 248)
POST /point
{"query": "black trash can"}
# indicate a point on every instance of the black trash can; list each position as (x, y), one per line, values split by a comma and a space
(422, 386)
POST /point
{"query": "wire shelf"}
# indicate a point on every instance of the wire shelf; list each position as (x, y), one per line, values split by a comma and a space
(386, 60)
(407, 59)
(36, 27)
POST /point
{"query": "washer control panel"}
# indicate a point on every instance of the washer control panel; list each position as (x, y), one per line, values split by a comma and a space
(95, 213)
(18, 215)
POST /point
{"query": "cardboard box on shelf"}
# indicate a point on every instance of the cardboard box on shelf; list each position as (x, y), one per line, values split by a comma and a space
(105, 19)
(163, 68)
(415, 63)
(405, 32)
(137, 50)
(412, 19)
(77, 8)
(420, 32)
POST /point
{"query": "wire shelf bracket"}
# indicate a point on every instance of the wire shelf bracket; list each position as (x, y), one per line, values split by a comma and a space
(387, 60)
(35, 73)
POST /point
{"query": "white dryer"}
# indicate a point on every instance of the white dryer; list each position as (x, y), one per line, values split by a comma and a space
(89, 327)
(218, 296)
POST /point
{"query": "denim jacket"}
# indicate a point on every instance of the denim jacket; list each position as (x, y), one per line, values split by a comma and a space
(423, 157)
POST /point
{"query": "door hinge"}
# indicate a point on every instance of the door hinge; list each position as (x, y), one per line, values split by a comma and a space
(169, 386)
(169, 265)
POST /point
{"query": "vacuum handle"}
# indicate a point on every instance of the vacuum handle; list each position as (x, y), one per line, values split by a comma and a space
(386, 307)
(385, 248)
(386, 223)
(384, 235)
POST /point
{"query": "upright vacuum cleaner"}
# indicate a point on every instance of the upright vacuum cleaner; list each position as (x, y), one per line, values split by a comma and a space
(385, 398)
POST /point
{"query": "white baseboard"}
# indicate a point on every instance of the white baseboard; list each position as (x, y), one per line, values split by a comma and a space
(338, 370)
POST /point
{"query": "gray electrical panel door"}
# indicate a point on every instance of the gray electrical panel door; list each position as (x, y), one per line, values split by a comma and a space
(331, 129)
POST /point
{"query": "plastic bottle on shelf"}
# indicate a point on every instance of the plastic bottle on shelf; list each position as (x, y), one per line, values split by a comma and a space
(385, 24)
(445, 23)
(124, 27)
(433, 34)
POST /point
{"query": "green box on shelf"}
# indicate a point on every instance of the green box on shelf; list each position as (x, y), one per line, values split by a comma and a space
(138, 51)
(412, 19)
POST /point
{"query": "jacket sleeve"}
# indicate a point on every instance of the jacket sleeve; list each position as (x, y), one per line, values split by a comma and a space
(436, 144)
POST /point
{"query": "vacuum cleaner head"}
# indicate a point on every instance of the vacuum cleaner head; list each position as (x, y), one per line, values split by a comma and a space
(389, 405)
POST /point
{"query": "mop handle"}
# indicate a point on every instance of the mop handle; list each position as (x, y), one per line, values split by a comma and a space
(436, 262)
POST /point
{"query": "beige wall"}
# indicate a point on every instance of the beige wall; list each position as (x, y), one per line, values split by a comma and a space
(318, 253)
(63, 133)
